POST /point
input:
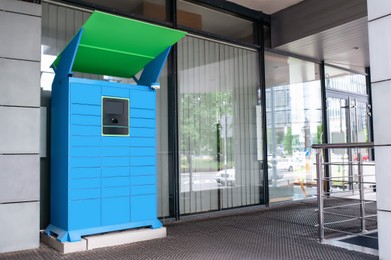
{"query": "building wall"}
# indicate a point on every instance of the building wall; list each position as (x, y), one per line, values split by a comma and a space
(20, 30)
(379, 22)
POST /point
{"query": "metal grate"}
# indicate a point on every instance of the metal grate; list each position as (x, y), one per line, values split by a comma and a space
(280, 232)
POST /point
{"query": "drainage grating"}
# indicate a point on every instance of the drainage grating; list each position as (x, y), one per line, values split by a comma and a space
(370, 240)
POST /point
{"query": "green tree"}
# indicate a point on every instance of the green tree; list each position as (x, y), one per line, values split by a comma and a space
(200, 114)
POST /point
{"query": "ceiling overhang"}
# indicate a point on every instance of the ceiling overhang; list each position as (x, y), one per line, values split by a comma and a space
(266, 6)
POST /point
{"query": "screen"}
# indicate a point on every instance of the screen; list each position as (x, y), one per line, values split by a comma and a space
(115, 116)
(113, 107)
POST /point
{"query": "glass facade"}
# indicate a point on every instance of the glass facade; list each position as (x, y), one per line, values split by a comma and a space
(294, 123)
(208, 20)
(348, 121)
(59, 25)
(217, 126)
(346, 81)
(150, 9)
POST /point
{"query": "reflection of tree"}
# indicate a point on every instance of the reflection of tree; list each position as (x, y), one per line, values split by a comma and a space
(295, 142)
(319, 133)
(200, 114)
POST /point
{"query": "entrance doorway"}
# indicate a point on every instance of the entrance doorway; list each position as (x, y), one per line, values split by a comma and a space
(347, 118)
(348, 122)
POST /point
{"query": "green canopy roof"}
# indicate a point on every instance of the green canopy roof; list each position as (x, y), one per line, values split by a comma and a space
(117, 46)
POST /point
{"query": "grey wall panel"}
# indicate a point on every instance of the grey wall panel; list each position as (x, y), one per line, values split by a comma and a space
(383, 178)
(20, 7)
(311, 17)
(20, 36)
(379, 48)
(20, 52)
(381, 96)
(19, 131)
(19, 178)
(19, 83)
(384, 227)
(19, 226)
(378, 8)
(379, 42)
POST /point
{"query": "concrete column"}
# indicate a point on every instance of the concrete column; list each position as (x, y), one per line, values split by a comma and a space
(20, 30)
(379, 22)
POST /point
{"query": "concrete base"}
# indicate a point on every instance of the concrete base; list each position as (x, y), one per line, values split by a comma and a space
(104, 240)
(124, 237)
(65, 247)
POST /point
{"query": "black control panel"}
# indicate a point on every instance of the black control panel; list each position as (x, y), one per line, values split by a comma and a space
(115, 113)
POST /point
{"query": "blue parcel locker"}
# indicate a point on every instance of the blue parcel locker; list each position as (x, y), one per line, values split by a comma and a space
(103, 145)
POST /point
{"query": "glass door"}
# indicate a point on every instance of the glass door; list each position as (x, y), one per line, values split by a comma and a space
(347, 123)
(347, 117)
(338, 132)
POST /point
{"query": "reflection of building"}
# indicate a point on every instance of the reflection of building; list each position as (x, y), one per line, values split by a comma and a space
(348, 107)
(294, 107)
(278, 102)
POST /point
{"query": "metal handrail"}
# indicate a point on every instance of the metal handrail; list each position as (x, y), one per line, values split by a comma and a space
(336, 192)
(348, 163)
(340, 177)
(345, 145)
(358, 180)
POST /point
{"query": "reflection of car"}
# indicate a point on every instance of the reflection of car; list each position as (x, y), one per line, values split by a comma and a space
(364, 157)
(280, 174)
(228, 176)
(289, 164)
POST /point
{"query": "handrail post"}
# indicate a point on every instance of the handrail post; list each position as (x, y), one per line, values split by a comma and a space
(361, 187)
(319, 176)
(359, 183)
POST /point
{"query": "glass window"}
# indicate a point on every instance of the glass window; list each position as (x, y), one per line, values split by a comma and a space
(152, 9)
(342, 80)
(211, 21)
(294, 123)
(217, 126)
(59, 25)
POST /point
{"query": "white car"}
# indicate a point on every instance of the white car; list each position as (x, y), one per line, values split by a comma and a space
(228, 176)
(289, 164)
